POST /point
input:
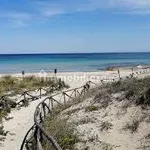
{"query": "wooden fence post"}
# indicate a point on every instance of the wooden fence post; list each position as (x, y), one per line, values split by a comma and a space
(64, 97)
(40, 92)
(35, 136)
(52, 105)
(49, 103)
(132, 72)
(25, 99)
(41, 119)
(43, 107)
(75, 93)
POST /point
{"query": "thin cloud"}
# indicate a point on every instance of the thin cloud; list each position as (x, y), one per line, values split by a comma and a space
(18, 23)
(17, 19)
(45, 9)
(133, 7)
(51, 8)
(52, 12)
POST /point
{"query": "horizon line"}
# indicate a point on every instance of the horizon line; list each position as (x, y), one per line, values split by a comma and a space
(38, 53)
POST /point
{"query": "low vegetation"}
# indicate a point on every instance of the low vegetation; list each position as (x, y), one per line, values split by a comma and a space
(62, 131)
(2, 132)
(102, 98)
(132, 126)
(145, 142)
(69, 112)
(132, 90)
(11, 86)
(75, 101)
(83, 121)
(91, 108)
(105, 126)
(137, 90)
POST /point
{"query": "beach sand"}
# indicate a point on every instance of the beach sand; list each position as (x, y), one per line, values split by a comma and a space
(102, 129)
(23, 119)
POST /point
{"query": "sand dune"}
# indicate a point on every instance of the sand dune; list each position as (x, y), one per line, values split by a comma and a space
(23, 118)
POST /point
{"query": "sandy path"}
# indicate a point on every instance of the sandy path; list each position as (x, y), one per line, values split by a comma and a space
(22, 121)
(18, 126)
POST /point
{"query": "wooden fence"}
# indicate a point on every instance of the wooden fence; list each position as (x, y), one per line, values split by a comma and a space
(37, 135)
(8, 101)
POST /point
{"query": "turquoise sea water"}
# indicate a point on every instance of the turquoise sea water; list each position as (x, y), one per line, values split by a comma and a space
(15, 63)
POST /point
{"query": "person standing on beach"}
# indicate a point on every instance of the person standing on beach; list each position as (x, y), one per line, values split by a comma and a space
(55, 71)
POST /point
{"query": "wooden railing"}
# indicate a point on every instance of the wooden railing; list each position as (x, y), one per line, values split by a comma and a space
(24, 97)
(37, 135)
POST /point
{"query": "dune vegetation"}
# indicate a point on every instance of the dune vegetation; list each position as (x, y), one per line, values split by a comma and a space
(118, 110)
(12, 86)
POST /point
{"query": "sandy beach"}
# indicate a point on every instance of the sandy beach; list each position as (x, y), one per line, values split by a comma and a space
(76, 79)
(83, 65)
(22, 119)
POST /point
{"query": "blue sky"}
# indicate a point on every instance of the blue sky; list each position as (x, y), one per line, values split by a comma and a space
(57, 26)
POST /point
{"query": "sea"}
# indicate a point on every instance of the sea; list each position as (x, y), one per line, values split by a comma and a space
(69, 62)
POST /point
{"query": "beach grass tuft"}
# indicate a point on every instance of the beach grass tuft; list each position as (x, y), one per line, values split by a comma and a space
(91, 108)
(132, 126)
(105, 126)
(13, 85)
(62, 131)
(137, 90)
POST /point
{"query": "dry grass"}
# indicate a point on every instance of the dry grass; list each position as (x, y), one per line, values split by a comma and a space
(75, 101)
(106, 146)
(134, 90)
(16, 85)
(147, 136)
(105, 126)
(91, 108)
(145, 142)
(102, 98)
(85, 121)
(12, 86)
(2, 132)
(132, 126)
(69, 112)
(137, 90)
(2, 114)
(62, 131)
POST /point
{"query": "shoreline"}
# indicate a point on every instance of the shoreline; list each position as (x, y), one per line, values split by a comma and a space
(76, 79)
(129, 68)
